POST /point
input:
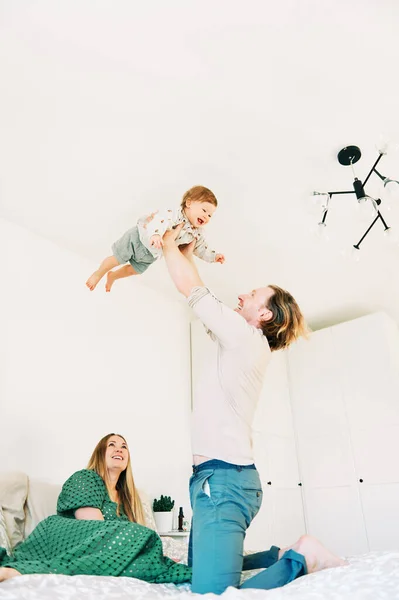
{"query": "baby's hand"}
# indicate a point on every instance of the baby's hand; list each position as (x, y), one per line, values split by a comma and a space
(156, 241)
(219, 258)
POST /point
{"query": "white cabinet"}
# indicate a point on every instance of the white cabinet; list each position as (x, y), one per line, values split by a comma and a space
(331, 499)
(345, 397)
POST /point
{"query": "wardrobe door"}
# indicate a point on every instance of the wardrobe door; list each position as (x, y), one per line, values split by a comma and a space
(288, 521)
(314, 384)
(380, 507)
(334, 516)
(367, 350)
(369, 354)
(332, 506)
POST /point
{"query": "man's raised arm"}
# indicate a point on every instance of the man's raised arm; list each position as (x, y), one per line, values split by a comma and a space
(223, 322)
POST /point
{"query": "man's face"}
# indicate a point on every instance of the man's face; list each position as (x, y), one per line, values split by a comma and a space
(252, 306)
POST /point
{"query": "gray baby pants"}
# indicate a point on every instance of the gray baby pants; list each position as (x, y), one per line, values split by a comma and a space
(129, 248)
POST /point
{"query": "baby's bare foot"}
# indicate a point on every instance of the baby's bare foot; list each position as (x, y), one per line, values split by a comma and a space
(8, 573)
(93, 280)
(110, 281)
(316, 555)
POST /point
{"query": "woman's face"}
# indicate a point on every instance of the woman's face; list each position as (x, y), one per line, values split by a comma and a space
(116, 454)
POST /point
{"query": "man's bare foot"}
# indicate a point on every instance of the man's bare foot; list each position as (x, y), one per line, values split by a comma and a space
(93, 280)
(110, 280)
(316, 555)
(8, 573)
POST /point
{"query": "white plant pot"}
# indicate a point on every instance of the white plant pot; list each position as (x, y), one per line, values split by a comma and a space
(164, 521)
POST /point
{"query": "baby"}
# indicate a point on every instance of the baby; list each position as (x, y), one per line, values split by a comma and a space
(142, 245)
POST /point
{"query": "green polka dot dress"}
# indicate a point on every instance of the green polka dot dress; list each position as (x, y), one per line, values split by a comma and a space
(64, 545)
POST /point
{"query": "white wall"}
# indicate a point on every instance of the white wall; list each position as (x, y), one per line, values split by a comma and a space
(76, 365)
(113, 109)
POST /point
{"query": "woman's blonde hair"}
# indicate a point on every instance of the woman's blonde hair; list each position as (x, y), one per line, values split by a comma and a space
(199, 193)
(129, 498)
(287, 323)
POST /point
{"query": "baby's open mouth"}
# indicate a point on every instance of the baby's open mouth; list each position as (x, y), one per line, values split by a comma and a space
(200, 221)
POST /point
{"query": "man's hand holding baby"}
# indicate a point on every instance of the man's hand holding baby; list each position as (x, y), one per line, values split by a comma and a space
(156, 241)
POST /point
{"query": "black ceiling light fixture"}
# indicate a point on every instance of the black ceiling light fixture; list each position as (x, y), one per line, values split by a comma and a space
(349, 156)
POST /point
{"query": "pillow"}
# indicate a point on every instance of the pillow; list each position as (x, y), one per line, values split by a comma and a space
(41, 503)
(4, 540)
(147, 510)
(13, 492)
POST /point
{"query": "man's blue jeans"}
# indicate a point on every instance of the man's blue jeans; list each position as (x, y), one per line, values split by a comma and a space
(225, 498)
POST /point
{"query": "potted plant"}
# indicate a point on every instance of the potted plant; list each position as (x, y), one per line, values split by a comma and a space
(163, 513)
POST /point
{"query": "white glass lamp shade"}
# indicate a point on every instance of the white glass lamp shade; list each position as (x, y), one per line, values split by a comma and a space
(391, 235)
(385, 145)
(320, 199)
(355, 254)
(316, 203)
(391, 188)
(367, 208)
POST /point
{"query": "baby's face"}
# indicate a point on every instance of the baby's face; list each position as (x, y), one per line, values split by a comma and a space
(199, 213)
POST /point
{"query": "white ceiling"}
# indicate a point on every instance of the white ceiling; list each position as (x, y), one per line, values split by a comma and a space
(110, 109)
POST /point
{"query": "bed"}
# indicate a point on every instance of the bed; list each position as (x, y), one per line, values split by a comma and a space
(25, 502)
(372, 576)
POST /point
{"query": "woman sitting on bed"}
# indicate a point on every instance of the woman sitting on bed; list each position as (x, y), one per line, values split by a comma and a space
(99, 530)
(99, 527)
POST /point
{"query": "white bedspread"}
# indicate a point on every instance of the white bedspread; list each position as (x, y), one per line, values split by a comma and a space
(372, 576)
